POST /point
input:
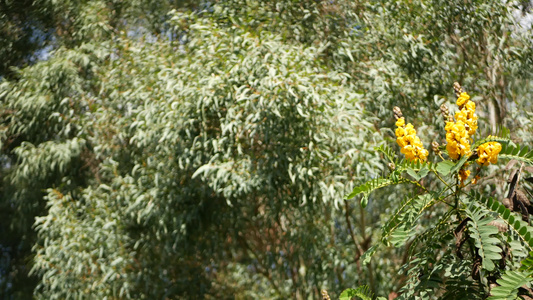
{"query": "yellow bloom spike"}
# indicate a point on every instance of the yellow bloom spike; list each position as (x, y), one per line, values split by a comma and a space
(488, 153)
(459, 133)
(409, 143)
(462, 99)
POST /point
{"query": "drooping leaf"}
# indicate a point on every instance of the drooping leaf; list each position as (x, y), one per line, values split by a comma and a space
(367, 256)
(483, 236)
(509, 284)
(400, 225)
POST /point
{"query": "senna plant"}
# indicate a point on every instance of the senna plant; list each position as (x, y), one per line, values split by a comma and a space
(461, 242)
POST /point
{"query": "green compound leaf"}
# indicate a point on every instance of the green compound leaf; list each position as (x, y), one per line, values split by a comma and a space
(515, 152)
(388, 152)
(363, 292)
(513, 220)
(527, 263)
(400, 236)
(435, 234)
(405, 164)
(371, 186)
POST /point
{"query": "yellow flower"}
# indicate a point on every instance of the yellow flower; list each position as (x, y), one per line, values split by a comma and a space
(470, 106)
(410, 130)
(461, 115)
(400, 131)
(488, 153)
(400, 122)
(401, 142)
(463, 98)
(410, 139)
(472, 126)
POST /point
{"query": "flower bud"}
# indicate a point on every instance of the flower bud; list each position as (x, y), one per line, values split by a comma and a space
(450, 118)
(444, 111)
(325, 295)
(397, 112)
(435, 147)
(458, 89)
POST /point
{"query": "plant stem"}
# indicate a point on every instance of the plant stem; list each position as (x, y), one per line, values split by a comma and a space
(456, 205)
(357, 245)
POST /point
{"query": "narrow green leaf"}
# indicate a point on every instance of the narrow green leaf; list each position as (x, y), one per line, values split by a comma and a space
(423, 172)
(367, 256)
(413, 174)
(509, 284)
(444, 167)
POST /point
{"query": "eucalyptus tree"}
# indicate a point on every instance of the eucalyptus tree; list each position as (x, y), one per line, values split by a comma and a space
(148, 160)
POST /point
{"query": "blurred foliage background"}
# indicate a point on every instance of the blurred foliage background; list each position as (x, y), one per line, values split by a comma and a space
(189, 149)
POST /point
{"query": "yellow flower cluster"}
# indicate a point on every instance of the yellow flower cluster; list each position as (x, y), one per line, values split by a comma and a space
(458, 133)
(410, 143)
(488, 153)
(457, 139)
